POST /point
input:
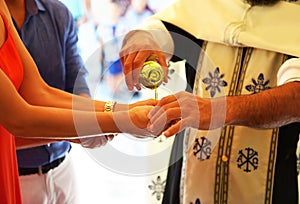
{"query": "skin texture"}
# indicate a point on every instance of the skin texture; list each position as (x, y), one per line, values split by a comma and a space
(17, 10)
(37, 109)
(176, 112)
(184, 110)
(135, 51)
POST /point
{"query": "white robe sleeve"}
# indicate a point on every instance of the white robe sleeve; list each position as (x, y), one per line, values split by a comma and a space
(289, 71)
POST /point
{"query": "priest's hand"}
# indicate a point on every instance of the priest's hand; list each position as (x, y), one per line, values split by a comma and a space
(174, 113)
(137, 47)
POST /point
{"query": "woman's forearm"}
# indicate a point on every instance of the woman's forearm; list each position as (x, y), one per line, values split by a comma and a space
(37, 121)
(53, 97)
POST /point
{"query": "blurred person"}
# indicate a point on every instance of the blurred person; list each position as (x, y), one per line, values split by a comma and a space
(38, 114)
(138, 11)
(61, 68)
(78, 10)
(124, 4)
(83, 15)
(111, 37)
(110, 33)
(233, 54)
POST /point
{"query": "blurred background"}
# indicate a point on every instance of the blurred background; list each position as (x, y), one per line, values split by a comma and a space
(101, 27)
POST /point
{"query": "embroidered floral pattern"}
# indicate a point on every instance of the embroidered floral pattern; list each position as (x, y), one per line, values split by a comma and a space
(157, 187)
(259, 85)
(214, 82)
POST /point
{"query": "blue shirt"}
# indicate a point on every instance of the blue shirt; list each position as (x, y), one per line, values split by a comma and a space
(49, 33)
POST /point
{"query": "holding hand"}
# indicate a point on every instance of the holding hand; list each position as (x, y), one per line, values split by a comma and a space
(138, 46)
(176, 112)
(136, 122)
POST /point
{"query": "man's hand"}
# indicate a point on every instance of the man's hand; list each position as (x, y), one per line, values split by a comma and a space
(137, 47)
(176, 112)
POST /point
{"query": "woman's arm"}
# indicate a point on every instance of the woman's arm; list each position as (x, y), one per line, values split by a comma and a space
(23, 119)
(36, 92)
(39, 110)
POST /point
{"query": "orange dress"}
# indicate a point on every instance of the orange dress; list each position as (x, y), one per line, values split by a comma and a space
(11, 65)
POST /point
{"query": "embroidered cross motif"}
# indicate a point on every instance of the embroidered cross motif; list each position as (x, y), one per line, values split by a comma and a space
(202, 149)
(157, 187)
(248, 159)
(214, 82)
(259, 85)
(196, 202)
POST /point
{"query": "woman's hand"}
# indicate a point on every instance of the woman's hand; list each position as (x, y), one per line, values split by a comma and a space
(125, 107)
(97, 141)
(135, 121)
(148, 102)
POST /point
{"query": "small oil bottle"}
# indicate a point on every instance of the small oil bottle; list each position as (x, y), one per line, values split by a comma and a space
(152, 75)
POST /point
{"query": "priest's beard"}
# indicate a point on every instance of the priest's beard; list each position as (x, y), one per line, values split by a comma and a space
(262, 2)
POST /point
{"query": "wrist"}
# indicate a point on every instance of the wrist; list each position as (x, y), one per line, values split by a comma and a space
(133, 34)
(109, 106)
(121, 107)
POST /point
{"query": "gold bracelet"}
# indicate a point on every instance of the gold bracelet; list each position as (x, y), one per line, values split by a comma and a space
(109, 106)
